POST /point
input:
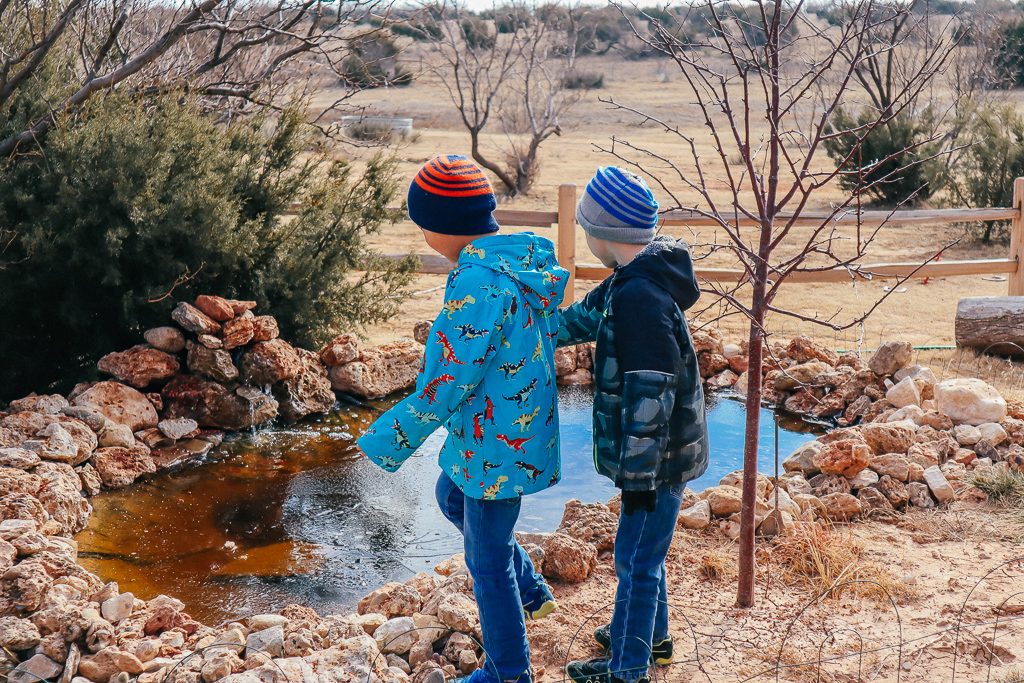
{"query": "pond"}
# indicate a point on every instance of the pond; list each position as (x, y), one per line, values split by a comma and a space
(293, 516)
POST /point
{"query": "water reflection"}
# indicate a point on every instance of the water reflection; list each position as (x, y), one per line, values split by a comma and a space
(293, 515)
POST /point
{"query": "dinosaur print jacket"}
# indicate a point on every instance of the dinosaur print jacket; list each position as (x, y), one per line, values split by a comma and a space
(488, 375)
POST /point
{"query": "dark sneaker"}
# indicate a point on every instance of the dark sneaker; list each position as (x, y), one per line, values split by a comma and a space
(596, 671)
(539, 602)
(485, 676)
(661, 653)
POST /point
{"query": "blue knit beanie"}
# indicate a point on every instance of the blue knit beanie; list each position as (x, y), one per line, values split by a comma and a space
(452, 196)
(618, 206)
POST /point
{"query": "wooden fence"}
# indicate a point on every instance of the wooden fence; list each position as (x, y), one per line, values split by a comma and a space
(564, 220)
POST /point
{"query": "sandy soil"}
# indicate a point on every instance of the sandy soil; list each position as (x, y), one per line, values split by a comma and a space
(954, 590)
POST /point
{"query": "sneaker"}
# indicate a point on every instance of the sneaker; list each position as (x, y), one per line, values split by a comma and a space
(661, 653)
(539, 602)
(483, 676)
(596, 671)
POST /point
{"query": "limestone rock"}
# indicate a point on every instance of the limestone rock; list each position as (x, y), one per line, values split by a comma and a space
(938, 484)
(993, 432)
(723, 500)
(36, 668)
(459, 612)
(213, 405)
(967, 400)
(890, 357)
(824, 484)
(892, 465)
(238, 332)
(966, 435)
(119, 403)
(697, 516)
(116, 434)
(25, 585)
(195, 321)
(841, 506)
(802, 459)
(342, 349)
(139, 366)
(61, 496)
(118, 467)
(47, 404)
(14, 481)
(805, 374)
(894, 490)
(18, 634)
(18, 458)
(261, 622)
(265, 363)
(591, 523)
(118, 607)
(178, 428)
(802, 349)
(904, 393)
(891, 437)
(108, 662)
(873, 499)
(22, 506)
(919, 495)
(864, 478)
(215, 364)
(167, 339)
(846, 457)
(219, 664)
(308, 392)
(269, 641)
(380, 371)
(421, 331)
(264, 328)
(393, 599)
(568, 559)
(217, 308)
(396, 635)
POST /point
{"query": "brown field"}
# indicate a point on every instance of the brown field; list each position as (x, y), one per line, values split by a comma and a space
(918, 311)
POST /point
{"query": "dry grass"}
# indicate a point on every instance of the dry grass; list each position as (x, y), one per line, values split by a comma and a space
(1014, 675)
(717, 564)
(821, 558)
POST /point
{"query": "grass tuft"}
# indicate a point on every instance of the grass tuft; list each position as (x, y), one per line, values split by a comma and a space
(1002, 485)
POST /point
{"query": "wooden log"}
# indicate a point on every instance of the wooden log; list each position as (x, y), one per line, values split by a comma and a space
(991, 324)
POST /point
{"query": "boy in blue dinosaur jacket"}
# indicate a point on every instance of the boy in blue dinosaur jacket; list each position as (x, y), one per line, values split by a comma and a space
(489, 378)
(650, 436)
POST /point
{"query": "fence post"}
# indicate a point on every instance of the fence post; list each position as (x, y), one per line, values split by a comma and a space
(1015, 283)
(567, 237)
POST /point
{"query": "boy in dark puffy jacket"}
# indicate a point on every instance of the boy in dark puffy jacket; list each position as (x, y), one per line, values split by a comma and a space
(488, 378)
(650, 436)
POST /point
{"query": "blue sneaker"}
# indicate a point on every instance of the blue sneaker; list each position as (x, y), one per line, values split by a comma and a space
(484, 676)
(539, 602)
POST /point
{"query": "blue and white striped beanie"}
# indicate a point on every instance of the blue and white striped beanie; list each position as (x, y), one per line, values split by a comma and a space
(618, 206)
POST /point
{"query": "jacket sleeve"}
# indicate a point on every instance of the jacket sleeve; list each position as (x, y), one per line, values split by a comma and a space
(579, 322)
(459, 351)
(648, 351)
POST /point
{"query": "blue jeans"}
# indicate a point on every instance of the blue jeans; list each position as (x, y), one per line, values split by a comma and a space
(641, 600)
(501, 570)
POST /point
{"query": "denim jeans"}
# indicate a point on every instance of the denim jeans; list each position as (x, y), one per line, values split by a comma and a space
(641, 600)
(501, 571)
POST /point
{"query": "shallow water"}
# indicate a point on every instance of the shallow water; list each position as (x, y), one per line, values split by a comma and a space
(293, 516)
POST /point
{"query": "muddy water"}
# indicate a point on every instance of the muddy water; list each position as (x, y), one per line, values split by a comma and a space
(292, 515)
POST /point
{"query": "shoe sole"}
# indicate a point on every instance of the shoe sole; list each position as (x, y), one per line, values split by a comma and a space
(544, 610)
(658, 661)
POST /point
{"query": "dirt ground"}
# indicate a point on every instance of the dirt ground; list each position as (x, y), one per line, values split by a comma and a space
(955, 612)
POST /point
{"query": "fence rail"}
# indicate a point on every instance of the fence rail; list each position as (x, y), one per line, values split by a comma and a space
(564, 220)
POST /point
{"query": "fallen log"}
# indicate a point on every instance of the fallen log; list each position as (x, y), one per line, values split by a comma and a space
(991, 324)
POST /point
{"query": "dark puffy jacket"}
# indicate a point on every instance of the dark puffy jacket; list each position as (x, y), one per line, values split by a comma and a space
(649, 424)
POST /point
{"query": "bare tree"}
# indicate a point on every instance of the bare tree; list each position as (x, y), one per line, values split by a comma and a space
(765, 82)
(510, 82)
(231, 53)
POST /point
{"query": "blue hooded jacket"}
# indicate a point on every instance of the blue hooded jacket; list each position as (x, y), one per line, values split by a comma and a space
(488, 375)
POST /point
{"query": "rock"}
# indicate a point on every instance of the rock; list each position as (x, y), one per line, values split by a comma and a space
(966, 435)
(894, 490)
(116, 434)
(108, 662)
(697, 516)
(892, 465)
(61, 496)
(919, 495)
(802, 459)
(265, 363)
(19, 481)
(823, 484)
(802, 349)
(567, 559)
(841, 506)
(459, 612)
(794, 483)
(992, 432)
(392, 600)
(167, 339)
(723, 500)
(969, 401)
(269, 641)
(35, 669)
(54, 443)
(238, 332)
(801, 375)
(396, 635)
(379, 371)
(706, 341)
(723, 380)
(22, 506)
(591, 523)
(215, 364)
(891, 437)
(195, 321)
(904, 393)
(846, 457)
(915, 472)
(118, 467)
(262, 622)
(421, 331)
(90, 478)
(864, 478)
(92, 419)
(342, 349)
(47, 404)
(119, 403)
(18, 458)
(210, 342)
(308, 392)
(213, 405)
(118, 608)
(18, 634)
(938, 484)
(25, 585)
(873, 499)
(219, 664)
(178, 428)
(140, 366)
(217, 308)
(264, 328)
(890, 357)
(710, 364)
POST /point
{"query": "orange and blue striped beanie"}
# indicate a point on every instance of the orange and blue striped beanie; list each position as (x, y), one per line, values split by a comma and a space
(452, 196)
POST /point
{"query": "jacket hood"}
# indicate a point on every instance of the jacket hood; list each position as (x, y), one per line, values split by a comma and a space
(667, 263)
(528, 260)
